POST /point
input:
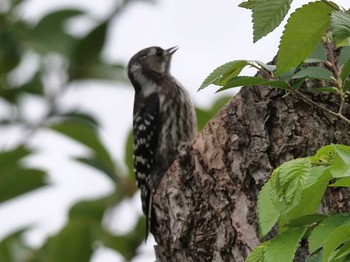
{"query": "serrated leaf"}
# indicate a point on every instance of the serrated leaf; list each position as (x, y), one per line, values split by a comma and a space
(345, 71)
(311, 197)
(217, 74)
(340, 166)
(335, 239)
(340, 26)
(267, 213)
(344, 56)
(284, 245)
(246, 5)
(342, 182)
(290, 180)
(251, 80)
(267, 15)
(314, 72)
(298, 40)
(257, 255)
(319, 55)
(319, 235)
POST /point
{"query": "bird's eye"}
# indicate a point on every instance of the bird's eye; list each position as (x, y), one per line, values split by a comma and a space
(159, 53)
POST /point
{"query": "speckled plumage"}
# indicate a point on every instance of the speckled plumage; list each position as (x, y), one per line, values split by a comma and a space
(164, 117)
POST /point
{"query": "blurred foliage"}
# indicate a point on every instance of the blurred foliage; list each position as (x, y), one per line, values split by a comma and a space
(81, 59)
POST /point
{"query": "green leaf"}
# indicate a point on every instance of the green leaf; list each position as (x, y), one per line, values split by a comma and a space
(340, 166)
(312, 195)
(74, 242)
(15, 181)
(267, 213)
(341, 26)
(319, 235)
(86, 134)
(319, 55)
(257, 255)
(251, 80)
(284, 245)
(344, 56)
(270, 68)
(85, 117)
(267, 15)
(314, 72)
(298, 40)
(343, 251)
(230, 69)
(100, 165)
(93, 209)
(14, 249)
(327, 89)
(87, 53)
(345, 71)
(315, 257)
(11, 157)
(103, 71)
(306, 220)
(299, 82)
(335, 239)
(290, 180)
(49, 34)
(346, 86)
(34, 86)
(342, 182)
(246, 5)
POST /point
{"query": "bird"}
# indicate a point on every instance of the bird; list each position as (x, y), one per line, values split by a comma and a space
(163, 119)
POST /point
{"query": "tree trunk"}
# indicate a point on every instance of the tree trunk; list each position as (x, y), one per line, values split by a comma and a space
(206, 204)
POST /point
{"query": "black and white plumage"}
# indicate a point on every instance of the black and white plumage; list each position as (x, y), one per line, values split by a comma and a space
(164, 117)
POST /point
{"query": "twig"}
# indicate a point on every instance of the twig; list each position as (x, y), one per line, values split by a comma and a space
(308, 100)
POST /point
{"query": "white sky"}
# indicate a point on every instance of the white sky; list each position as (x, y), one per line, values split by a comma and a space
(209, 33)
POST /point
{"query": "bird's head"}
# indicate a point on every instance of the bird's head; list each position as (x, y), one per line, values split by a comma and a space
(151, 60)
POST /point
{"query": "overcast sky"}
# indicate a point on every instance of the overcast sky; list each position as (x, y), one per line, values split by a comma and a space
(209, 33)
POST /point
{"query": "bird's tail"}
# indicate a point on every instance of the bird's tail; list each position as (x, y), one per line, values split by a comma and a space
(149, 214)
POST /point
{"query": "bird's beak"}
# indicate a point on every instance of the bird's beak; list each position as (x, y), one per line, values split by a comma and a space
(172, 50)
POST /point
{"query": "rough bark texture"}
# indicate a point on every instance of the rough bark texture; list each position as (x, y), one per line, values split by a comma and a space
(206, 203)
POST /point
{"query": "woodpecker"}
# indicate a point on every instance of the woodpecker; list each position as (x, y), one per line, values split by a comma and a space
(163, 119)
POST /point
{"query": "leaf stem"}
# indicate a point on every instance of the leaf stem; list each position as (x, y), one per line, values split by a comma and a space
(310, 101)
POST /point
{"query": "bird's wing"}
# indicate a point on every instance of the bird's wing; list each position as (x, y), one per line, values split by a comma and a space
(145, 129)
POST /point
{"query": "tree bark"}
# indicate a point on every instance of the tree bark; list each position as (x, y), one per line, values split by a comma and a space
(206, 204)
